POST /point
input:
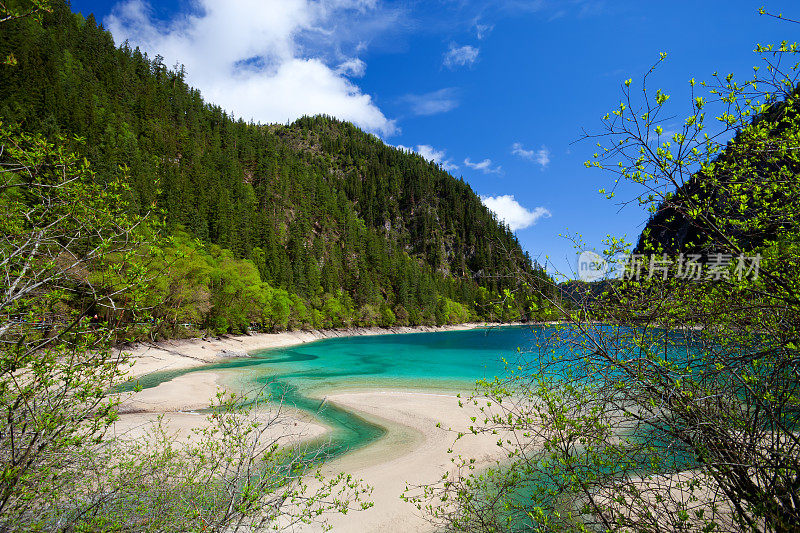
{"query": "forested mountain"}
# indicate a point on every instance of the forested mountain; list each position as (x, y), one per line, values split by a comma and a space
(340, 227)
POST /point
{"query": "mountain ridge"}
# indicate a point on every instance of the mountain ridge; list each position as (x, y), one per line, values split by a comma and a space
(322, 209)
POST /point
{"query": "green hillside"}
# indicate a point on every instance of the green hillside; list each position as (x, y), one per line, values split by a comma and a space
(324, 223)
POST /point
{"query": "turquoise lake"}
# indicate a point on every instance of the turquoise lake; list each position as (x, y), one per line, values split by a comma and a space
(449, 359)
(302, 375)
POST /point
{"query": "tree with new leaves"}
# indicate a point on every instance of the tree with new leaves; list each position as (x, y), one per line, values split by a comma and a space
(14, 10)
(671, 401)
(78, 269)
(60, 227)
(77, 276)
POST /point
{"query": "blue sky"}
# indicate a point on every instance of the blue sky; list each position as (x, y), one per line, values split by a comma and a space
(497, 91)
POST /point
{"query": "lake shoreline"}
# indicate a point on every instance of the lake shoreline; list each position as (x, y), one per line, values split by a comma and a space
(181, 354)
(421, 423)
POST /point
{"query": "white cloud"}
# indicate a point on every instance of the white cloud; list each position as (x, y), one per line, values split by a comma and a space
(353, 67)
(517, 149)
(438, 156)
(432, 103)
(431, 154)
(484, 166)
(460, 56)
(250, 56)
(541, 156)
(509, 211)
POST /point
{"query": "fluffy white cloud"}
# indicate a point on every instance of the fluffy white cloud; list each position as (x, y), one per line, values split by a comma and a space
(541, 156)
(508, 210)
(431, 154)
(432, 103)
(484, 166)
(459, 56)
(251, 56)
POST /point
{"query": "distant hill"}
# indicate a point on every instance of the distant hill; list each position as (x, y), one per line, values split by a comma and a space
(579, 294)
(319, 206)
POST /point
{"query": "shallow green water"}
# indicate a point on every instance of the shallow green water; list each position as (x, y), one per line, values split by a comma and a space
(302, 375)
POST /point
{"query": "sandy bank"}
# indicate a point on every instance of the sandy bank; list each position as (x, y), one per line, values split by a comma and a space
(182, 427)
(184, 393)
(177, 401)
